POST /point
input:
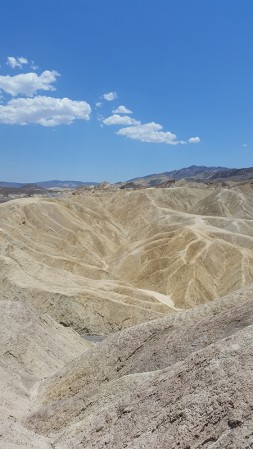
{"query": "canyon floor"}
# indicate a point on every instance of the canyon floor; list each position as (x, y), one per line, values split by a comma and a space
(166, 276)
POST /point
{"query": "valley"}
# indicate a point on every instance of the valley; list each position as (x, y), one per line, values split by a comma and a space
(159, 280)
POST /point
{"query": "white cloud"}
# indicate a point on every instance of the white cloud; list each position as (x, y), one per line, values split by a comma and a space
(149, 132)
(99, 104)
(110, 96)
(22, 60)
(122, 110)
(194, 140)
(120, 120)
(43, 110)
(28, 83)
(144, 132)
(16, 62)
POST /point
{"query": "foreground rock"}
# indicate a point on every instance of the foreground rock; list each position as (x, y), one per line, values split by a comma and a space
(32, 347)
(184, 381)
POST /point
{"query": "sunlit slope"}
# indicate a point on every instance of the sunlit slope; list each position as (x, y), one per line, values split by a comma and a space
(189, 256)
(54, 253)
(180, 381)
(236, 202)
(103, 260)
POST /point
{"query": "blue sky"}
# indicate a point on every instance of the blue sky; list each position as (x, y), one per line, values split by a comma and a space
(181, 70)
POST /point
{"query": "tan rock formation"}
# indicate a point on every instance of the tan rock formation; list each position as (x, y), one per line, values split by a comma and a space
(103, 260)
(183, 381)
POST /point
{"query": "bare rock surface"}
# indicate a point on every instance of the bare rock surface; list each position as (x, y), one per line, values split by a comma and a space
(184, 381)
(167, 273)
(32, 347)
(105, 259)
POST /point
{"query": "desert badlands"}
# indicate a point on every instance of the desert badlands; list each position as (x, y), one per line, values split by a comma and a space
(165, 276)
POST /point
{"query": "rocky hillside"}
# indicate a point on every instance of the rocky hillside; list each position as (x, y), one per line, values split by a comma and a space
(103, 260)
(165, 275)
(180, 382)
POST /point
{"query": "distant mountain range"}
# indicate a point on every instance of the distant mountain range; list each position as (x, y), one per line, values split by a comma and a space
(195, 173)
(192, 173)
(49, 184)
(16, 185)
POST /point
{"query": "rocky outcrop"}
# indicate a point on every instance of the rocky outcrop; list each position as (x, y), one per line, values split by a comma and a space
(180, 382)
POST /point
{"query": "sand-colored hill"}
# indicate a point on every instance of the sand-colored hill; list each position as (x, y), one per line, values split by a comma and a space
(105, 259)
(184, 381)
(150, 263)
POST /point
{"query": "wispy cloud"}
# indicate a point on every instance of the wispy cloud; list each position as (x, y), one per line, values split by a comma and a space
(245, 145)
(34, 66)
(16, 62)
(122, 110)
(110, 96)
(43, 110)
(117, 119)
(28, 83)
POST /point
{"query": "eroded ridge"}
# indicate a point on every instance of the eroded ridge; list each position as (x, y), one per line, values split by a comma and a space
(103, 260)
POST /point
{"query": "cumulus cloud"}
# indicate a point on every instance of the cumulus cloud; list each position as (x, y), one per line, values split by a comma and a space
(99, 104)
(117, 119)
(28, 83)
(122, 110)
(43, 110)
(145, 132)
(194, 140)
(149, 132)
(16, 62)
(110, 96)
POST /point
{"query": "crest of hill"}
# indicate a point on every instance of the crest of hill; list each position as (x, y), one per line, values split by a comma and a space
(24, 191)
